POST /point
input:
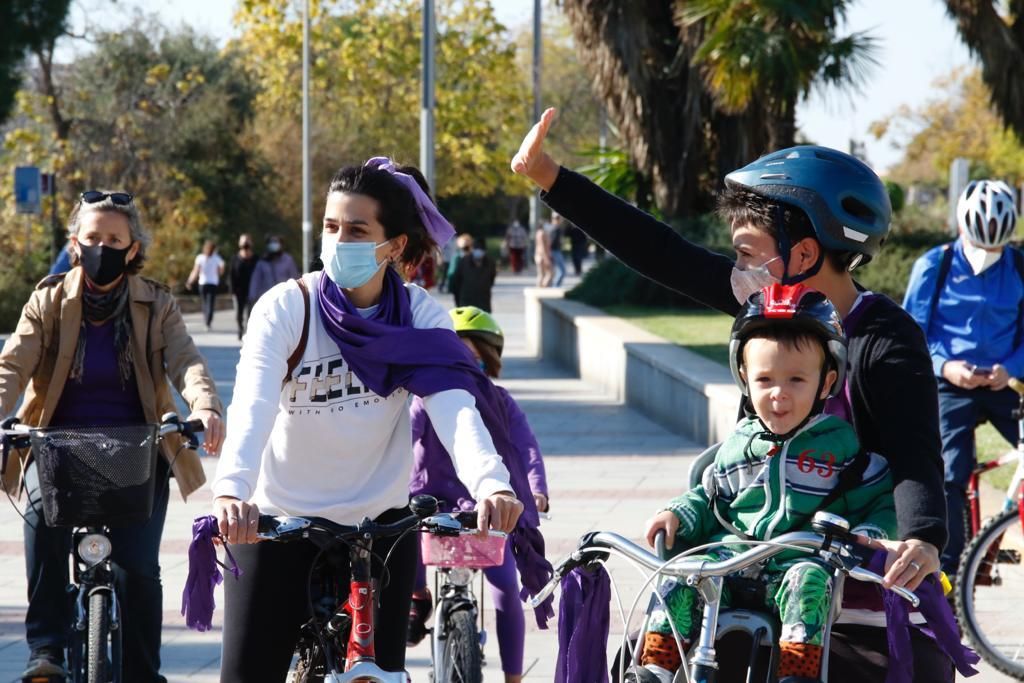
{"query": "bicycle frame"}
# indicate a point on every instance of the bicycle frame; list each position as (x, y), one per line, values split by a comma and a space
(708, 577)
(1015, 491)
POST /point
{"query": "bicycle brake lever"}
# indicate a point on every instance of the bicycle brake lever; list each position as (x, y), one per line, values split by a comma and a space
(862, 574)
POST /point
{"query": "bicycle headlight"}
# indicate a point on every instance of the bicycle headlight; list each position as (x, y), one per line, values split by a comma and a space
(460, 576)
(94, 548)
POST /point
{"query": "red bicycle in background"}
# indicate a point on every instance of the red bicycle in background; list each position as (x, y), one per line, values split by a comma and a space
(990, 578)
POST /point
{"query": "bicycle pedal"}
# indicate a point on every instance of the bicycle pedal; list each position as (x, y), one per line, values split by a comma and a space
(1008, 556)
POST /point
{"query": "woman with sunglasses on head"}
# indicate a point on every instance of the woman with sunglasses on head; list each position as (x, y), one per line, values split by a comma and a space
(333, 439)
(96, 346)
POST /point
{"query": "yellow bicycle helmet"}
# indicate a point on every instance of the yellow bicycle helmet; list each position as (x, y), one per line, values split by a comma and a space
(471, 321)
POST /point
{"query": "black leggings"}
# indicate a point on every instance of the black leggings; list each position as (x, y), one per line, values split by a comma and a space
(265, 608)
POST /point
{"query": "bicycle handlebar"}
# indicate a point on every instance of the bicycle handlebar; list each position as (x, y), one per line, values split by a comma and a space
(684, 567)
(284, 528)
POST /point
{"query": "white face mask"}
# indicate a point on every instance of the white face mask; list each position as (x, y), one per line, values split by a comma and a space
(746, 282)
(980, 259)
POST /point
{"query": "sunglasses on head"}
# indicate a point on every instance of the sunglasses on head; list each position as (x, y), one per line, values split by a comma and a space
(119, 198)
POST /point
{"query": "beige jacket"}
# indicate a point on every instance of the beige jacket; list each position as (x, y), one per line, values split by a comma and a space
(37, 359)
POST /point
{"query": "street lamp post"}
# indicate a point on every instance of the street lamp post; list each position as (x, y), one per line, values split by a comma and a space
(534, 200)
(427, 99)
(307, 200)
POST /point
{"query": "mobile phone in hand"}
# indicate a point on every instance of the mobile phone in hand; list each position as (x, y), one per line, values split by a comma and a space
(981, 371)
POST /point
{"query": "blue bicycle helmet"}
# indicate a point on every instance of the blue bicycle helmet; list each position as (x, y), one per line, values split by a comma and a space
(845, 200)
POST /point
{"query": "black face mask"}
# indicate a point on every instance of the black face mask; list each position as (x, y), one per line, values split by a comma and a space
(103, 264)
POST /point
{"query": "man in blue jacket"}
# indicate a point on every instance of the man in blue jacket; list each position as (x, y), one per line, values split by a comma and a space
(969, 298)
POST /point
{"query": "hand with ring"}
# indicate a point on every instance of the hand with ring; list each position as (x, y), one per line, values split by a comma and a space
(238, 521)
(908, 562)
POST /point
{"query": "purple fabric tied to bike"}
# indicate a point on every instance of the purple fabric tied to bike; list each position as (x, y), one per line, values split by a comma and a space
(583, 622)
(203, 576)
(387, 353)
(437, 226)
(941, 627)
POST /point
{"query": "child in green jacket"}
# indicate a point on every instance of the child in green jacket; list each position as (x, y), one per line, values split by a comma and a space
(788, 355)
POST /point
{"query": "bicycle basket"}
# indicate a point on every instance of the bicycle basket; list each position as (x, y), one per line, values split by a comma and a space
(95, 476)
(462, 551)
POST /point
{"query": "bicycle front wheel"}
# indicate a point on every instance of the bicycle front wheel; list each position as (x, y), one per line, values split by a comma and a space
(97, 661)
(463, 662)
(989, 600)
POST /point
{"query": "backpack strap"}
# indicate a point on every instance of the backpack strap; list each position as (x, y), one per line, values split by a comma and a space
(296, 357)
(1018, 261)
(940, 281)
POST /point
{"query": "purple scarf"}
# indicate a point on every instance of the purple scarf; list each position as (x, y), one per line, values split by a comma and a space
(387, 353)
(203, 576)
(583, 621)
(941, 627)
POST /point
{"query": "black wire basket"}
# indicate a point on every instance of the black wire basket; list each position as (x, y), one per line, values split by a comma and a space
(96, 476)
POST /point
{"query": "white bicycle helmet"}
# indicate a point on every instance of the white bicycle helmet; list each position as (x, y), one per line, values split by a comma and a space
(987, 213)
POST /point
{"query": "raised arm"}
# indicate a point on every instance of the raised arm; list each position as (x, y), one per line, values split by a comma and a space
(639, 240)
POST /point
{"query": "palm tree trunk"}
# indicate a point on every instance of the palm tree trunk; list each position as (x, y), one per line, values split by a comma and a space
(641, 70)
(1000, 46)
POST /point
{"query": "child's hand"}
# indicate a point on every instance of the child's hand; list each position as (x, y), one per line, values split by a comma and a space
(666, 521)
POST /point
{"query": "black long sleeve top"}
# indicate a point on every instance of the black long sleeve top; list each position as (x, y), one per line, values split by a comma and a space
(893, 393)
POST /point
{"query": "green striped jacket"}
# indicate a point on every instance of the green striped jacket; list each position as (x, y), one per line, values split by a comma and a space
(761, 489)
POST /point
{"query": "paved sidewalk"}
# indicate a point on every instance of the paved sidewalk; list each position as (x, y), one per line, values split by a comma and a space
(608, 467)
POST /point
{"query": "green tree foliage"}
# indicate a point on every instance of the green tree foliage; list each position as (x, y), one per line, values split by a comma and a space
(163, 116)
(774, 53)
(365, 87)
(962, 122)
(699, 88)
(26, 26)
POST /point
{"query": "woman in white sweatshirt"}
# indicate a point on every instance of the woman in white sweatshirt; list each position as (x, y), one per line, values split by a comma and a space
(334, 440)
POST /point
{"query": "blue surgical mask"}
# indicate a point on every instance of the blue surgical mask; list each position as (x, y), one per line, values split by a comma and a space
(482, 364)
(350, 264)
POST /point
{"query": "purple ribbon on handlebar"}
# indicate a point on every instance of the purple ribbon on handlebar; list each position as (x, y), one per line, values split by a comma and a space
(583, 622)
(941, 627)
(203, 576)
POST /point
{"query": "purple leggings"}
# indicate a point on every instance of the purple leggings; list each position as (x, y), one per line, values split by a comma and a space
(511, 622)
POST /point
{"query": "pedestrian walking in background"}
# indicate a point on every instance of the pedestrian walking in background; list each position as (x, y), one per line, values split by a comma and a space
(447, 257)
(542, 257)
(579, 244)
(207, 271)
(463, 245)
(474, 278)
(243, 264)
(517, 239)
(276, 266)
(556, 231)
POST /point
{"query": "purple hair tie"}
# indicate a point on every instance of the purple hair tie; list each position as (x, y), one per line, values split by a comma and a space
(437, 225)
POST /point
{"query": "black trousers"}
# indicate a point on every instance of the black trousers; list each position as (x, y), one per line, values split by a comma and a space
(209, 296)
(265, 608)
(243, 307)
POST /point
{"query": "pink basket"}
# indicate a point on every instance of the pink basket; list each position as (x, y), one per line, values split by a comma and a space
(462, 551)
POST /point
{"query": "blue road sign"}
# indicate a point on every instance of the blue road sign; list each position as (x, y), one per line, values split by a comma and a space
(27, 189)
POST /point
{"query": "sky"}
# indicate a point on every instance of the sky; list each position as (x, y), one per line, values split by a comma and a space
(917, 44)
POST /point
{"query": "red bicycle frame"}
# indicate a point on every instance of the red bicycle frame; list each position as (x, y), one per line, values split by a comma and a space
(360, 608)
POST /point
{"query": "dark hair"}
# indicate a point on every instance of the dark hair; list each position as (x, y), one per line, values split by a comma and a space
(489, 354)
(397, 212)
(790, 336)
(736, 206)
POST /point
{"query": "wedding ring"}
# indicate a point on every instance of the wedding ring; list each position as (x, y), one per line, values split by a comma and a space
(915, 565)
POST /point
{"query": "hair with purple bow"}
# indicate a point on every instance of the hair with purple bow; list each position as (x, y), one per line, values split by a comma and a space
(405, 206)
